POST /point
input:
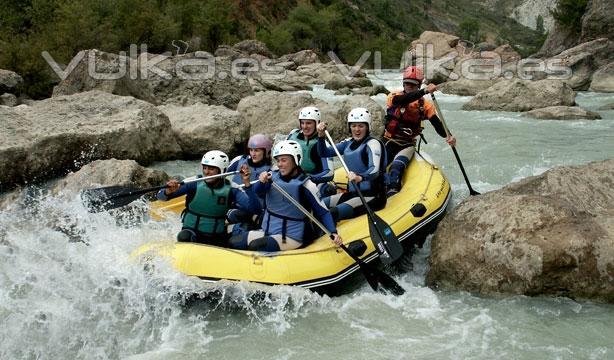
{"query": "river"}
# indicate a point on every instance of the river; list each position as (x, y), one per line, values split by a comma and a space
(69, 290)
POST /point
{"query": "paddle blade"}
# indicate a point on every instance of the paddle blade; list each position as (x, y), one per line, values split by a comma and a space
(384, 239)
(112, 197)
(389, 284)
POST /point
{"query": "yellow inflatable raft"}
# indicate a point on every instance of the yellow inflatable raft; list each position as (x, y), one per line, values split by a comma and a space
(320, 266)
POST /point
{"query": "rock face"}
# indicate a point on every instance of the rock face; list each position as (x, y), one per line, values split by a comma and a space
(278, 78)
(465, 87)
(277, 113)
(522, 95)
(551, 234)
(563, 113)
(9, 80)
(527, 13)
(57, 134)
(110, 172)
(603, 79)
(199, 128)
(159, 79)
(598, 21)
(583, 60)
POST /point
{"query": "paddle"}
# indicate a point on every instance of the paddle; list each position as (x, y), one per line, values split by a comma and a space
(373, 275)
(112, 197)
(384, 239)
(460, 164)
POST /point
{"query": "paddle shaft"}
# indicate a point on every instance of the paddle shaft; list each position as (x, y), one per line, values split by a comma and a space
(155, 188)
(458, 160)
(370, 213)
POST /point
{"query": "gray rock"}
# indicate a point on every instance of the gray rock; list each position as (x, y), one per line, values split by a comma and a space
(609, 106)
(159, 79)
(562, 113)
(583, 60)
(522, 95)
(551, 234)
(9, 80)
(465, 87)
(8, 99)
(109, 172)
(441, 43)
(250, 47)
(62, 133)
(277, 113)
(303, 57)
(199, 128)
(597, 21)
(603, 79)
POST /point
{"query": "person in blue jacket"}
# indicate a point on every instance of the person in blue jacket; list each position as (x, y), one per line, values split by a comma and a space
(283, 224)
(365, 157)
(208, 201)
(319, 169)
(258, 160)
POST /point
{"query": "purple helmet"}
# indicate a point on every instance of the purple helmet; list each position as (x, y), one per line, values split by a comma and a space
(260, 141)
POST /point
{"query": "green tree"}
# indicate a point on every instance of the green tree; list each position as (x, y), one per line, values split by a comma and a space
(568, 13)
(539, 27)
(469, 29)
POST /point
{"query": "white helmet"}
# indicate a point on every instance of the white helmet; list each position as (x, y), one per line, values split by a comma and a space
(310, 113)
(360, 115)
(289, 147)
(216, 158)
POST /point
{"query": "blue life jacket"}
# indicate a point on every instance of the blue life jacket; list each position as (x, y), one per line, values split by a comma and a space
(206, 211)
(256, 170)
(357, 161)
(280, 215)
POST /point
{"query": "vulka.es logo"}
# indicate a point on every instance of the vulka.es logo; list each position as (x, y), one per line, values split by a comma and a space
(202, 65)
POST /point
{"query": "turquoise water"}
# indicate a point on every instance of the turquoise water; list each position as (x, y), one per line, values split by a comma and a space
(69, 290)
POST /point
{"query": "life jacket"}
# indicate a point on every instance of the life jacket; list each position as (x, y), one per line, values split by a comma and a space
(280, 215)
(408, 118)
(255, 170)
(206, 211)
(357, 161)
(307, 163)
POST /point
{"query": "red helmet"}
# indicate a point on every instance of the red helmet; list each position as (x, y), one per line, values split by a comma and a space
(413, 73)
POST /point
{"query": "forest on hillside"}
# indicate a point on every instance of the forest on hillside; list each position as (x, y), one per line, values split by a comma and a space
(63, 28)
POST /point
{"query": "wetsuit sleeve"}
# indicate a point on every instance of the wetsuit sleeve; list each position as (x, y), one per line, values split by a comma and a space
(183, 189)
(327, 151)
(261, 189)
(327, 173)
(407, 98)
(310, 193)
(234, 164)
(374, 150)
(246, 198)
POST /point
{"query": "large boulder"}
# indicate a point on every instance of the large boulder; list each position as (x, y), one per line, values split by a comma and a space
(278, 78)
(465, 87)
(250, 47)
(9, 80)
(551, 234)
(440, 43)
(522, 95)
(582, 61)
(200, 128)
(109, 172)
(562, 113)
(277, 113)
(303, 57)
(61, 133)
(159, 79)
(603, 79)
